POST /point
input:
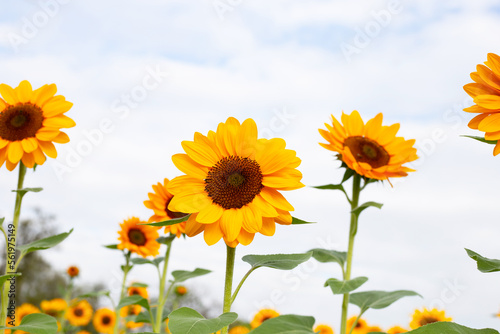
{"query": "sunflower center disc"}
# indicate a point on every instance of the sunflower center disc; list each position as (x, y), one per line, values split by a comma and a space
(106, 320)
(20, 121)
(234, 182)
(78, 312)
(427, 320)
(173, 214)
(367, 151)
(137, 237)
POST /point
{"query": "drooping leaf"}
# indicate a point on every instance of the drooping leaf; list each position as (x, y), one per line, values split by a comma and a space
(450, 327)
(170, 221)
(134, 300)
(297, 221)
(182, 275)
(4, 278)
(44, 243)
(286, 324)
(188, 321)
(140, 260)
(326, 255)
(331, 187)
(158, 260)
(277, 261)
(23, 191)
(484, 264)
(364, 206)
(339, 287)
(37, 323)
(378, 299)
(482, 140)
(166, 240)
(111, 246)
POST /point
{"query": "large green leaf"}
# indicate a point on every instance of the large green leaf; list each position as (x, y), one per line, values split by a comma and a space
(182, 275)
(37, 323)
(481, 139)
(25, 190)
(340, 287)
(450, 327)
(44, 243)
(326, 255)
(357, 211)
(286, 324)
(277, 261)
(170, 221)
(484, 264)
(188, 321)
(134, 300)
(297, 221)
(378, 299)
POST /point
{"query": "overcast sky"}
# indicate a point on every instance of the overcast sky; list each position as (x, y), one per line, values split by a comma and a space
(145, 75)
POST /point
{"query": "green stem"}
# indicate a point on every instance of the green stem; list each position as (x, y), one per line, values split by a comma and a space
(352, 233)
(122, 293)
(241, 284)
(162, 298)
(228, 285)
(12, 239)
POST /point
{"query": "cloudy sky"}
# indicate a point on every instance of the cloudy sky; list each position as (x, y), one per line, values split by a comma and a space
(145, 75)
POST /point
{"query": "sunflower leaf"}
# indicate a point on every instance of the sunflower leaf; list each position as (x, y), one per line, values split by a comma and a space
(169, 222)
(286, 324)
(277, 261)
(378, 299)
(297, 221)
(140, 260)
(44, 243)
(450, 327)
(94, 294)
(357, 211)
(138, 285)
(183, 275)
(5, 278)
(111, 246)
(37, 323)
(142, 317)
(188, 321)
(484, 264)
(23, 191)
(339, 287)
(134, 300)
(326, 255)
(166, 240)
(482, 140)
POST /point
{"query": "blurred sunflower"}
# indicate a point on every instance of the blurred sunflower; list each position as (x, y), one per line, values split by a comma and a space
(73, 271)
(23, 311)
(239, 330)
(137, 290)
(422, 318)
(360, 328)
(79, 313)
(53, 307)
(323, 329)
(370, 149)
(263, 315)
(140, 239)
(232, 184)
(180, 290)
(104, 320)
(158, 202)
(129, 311)
(485, 90)
(82, 332)
(396, 330)
(30, 122)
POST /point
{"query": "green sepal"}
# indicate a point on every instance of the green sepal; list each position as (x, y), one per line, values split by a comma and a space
(297, 221)
(111, 246)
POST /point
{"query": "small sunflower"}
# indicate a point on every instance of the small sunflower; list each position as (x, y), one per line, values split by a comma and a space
(158, 202)
(53, 307)
(233, 182)
(82, 332)
(360, 328)
(137, 238)
(131, 310)
(79, 313)
(323, 329)
(396, 330)
(30, 122)
(239, 330)
(137, 290)
(180, 290)
(104, 320)
(73, 271)
(422, 318)
(263, 315)
(485, 90)
(370, 149)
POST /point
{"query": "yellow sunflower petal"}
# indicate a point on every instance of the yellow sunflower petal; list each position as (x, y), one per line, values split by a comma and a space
(48, 148)
(252, 220)
(189, 166)
(488, 101)
(28, 160)
(189, 203)
(245, 238)
(14, 151)
(61, 121)
(193, 227)
(247, 139)
(24, 91)
(231, 223)
(268, 227)
(200, 153)
(61, 138)
(474, 123)
(47, 134)
(56, 107)
(490, 123)
(210, 214)
(29, 144)
(8, 94)
(264, 207)
(496, 150)
(42, 94)
(276, 199)
(212, 234)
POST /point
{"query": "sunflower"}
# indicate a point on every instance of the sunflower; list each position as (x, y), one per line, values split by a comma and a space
(370, 149)
(79, 313)
(360, 328)
(23, 311)
(158, 202)
(422, 318)
(129, 311)
(323, 329)
(82, 332)
(104, 320)
(485, 90)
(263, 315)
(180, 290)
(73, 271)
(232, 182)
(30, 122)
(53, 307)
(396, 330)
(137, 290)
(137, 238)
(239, 330)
